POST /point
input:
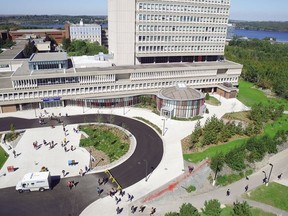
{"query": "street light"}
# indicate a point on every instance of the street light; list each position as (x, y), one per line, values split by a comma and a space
(146, 163)
(163, 129)
(269, 173)
(90, 166)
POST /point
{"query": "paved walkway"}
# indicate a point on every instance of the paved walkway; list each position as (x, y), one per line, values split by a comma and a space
(170, 167)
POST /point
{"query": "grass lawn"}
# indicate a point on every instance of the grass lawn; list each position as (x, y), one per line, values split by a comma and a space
(275, 195)
(3, 157)
(250, 95)
(241, 116)
(110, 140)
(280, 124)
(210, 152)
(255, 212)
(213, 101)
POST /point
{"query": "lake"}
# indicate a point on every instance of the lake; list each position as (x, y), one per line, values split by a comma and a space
(280, 36)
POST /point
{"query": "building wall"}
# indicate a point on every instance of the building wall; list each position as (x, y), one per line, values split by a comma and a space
(88, 32)
(121, 24)
(57, 35)
(174, 28)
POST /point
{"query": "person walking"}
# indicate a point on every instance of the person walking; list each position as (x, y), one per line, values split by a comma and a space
(246, 188)
(228, 192)
(280, 176)
(141, 208)
(153, 210)
(98, 190)
(63, 172)
(14, 153)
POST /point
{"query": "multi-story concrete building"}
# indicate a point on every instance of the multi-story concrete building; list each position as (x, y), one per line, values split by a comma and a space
(154, 45)
(148, 31)
(81, 31)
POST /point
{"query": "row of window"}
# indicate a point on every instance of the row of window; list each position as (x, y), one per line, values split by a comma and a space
(182, 8)
(85, 29)
(106, 89)
(187, 19)
(166, 39)
(196, 49)
(184, 29)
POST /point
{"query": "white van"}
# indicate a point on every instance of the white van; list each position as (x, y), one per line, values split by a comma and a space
(36, 181)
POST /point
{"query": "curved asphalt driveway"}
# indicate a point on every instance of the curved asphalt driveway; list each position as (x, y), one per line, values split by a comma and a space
(62, 201)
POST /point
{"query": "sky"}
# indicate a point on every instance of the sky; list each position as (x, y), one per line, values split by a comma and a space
(251, 10)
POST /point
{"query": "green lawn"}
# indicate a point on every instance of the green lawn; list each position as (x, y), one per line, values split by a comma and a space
(213, 101)
(275, 195)
(3, 157)
(210, 152)
(280, 124)
(110, 140)
(250, 95)
(255, 212)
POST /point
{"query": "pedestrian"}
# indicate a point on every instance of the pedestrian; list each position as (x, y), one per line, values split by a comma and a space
(99, 182)
(118, 200)
(98, 190)
(190, 169)
(131, 198)
(72, 148)
(65, 149)
(228, 192)
(280, 176)
(141, 208)
(118, 210)
(265, 180)
(153, 210)
(133, 209)
(14, 153)
(246, 188)
(81, 172)
(63, 172)
(70, 184)
(247, 178)
(86, 169)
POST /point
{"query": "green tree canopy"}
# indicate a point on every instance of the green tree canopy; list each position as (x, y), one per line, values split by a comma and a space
(241, 209)
(212, 208)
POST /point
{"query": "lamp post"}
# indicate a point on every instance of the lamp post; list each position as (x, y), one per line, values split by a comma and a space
(163, 129)
(269, 173)
(146, 163)
(90, 164)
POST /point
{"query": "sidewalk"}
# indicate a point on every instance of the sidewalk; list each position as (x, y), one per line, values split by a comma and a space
(170, 167)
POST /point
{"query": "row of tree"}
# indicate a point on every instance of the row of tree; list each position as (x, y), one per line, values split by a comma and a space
(252, 151)
(212, 208)
(264, 25)
(265, 63)
(216, 131)
(82, 47)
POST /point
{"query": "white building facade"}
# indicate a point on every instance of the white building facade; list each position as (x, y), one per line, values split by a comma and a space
(90, 32)
(149, 31)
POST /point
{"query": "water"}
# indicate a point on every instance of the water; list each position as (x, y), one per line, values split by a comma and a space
(280, 36)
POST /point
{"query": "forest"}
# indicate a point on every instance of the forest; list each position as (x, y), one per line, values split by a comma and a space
(263, 25)
(265, 63)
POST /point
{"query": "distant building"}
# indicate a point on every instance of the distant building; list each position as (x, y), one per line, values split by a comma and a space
(81, 31)
(41, 45)
(58, 35)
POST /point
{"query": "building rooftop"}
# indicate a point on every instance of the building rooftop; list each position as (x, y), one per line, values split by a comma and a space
(36, 30)
(180, 92)
(53, 56)
(14, 51)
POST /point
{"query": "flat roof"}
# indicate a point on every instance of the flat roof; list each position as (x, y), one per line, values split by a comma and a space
(36, 30)
(14, 50)
(52, 56)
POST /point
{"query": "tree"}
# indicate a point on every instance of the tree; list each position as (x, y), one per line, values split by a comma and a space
(188, 210)
(66, 43)
(29, 49)
(217, 162)
(212, 208)
(196, 134)
(241, 209)
(207, 96)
